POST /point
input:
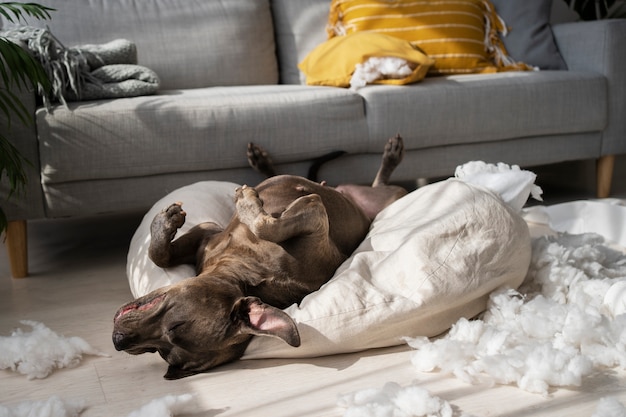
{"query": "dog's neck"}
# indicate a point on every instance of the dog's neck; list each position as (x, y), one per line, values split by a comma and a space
(250, 281)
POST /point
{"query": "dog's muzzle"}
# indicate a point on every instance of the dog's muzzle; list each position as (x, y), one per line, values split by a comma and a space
(124, 342)
(120, 341)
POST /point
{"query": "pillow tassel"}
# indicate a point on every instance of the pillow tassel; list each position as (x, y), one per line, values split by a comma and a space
(335, 26)
(495, 25)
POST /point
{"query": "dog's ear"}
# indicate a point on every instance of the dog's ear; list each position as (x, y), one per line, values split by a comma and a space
(260, 319)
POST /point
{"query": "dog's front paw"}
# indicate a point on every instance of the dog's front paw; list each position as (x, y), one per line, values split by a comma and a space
(248, 203)
(169, 219)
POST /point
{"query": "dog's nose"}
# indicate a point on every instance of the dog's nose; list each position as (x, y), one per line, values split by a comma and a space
(119, 340)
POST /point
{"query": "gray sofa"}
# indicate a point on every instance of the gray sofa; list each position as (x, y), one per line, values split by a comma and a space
(229, 76)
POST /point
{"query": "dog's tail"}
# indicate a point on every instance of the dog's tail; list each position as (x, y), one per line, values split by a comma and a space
(318, 162)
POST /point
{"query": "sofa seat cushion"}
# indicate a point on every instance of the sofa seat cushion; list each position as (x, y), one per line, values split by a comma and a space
(465, 109)
(188, 43)
(196, 130)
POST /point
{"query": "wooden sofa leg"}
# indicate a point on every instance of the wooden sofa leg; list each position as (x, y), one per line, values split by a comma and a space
(604, 175)
(17, 248)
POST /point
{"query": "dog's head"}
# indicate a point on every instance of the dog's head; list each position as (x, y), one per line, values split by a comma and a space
(196, 326)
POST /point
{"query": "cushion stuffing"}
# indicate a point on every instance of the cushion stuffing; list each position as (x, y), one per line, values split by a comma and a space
(430, 258)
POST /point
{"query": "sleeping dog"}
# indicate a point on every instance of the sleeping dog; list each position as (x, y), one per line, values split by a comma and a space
(286, 239)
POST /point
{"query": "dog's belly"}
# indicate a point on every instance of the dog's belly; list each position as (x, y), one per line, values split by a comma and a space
(348, 224)
(372, 200)
(275, 272)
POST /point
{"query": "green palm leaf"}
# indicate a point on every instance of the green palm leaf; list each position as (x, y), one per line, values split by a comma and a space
(16, 12)
(18, 71)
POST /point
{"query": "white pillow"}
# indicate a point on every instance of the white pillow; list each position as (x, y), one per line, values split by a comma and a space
(207, 201)
(430, 258)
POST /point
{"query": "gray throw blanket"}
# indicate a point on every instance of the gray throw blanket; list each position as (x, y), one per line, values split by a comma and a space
(86, 72)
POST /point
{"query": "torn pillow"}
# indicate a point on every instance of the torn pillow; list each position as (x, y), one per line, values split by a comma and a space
(334, 62)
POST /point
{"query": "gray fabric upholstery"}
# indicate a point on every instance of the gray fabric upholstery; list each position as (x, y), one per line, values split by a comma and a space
(132, 194)
(196, 130)
(592, 47)
(474, 108)
(441, 161)
(201, 43)
(530, 37)
(300, 27)
(561, 13)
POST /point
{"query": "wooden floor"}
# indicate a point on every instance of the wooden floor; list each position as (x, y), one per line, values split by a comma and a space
(78, 281)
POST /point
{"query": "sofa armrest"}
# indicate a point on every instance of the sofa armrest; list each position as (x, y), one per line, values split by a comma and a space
(29, 204)
(597, 46)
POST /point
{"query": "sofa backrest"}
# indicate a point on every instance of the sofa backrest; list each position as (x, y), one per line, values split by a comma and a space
(300, 25)
(188, 43)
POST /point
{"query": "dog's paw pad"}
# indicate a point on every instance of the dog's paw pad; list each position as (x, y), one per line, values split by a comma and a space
(394, 150)
(245, 192)
(174, 215)
(260, 160)
(248, 204)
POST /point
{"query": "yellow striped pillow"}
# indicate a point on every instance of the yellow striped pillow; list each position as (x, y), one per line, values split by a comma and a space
(334, 61)
(460, 35)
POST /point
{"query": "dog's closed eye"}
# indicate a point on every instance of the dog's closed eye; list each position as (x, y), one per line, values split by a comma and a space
(175, 332)
(175, 325)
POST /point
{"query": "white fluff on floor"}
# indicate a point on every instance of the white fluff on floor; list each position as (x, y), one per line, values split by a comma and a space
(38, 352)
(52, 407)
(560, 325)
(377, 68)
(168, 406)
(609, 407)
(394, 401)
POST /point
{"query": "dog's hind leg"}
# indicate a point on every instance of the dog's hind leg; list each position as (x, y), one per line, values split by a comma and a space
(305, 215)
(260, 160)
(302, 229)
(375, 198)
(392, 156)
(166, 252)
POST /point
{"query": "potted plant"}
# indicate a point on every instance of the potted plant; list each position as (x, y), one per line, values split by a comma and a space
(598, 9)
(18, 71)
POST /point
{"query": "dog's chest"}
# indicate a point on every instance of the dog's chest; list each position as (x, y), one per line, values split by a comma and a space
(240, 250)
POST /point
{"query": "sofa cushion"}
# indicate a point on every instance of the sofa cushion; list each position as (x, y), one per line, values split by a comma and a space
(188, 43)
(300, 26)
(529, 38)
(469, 109)
(334, 62)
(460, 35)
(196, 130)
